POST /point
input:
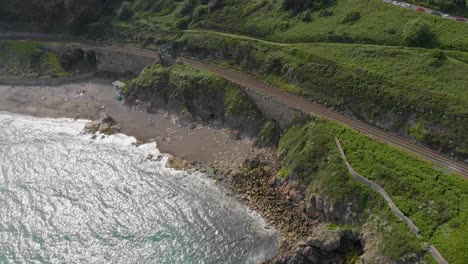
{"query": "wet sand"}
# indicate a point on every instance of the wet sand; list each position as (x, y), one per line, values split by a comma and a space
(95, 98)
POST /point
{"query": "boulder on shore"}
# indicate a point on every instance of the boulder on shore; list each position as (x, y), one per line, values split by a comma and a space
(107, 126)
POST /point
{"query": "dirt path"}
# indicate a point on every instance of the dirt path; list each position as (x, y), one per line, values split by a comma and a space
(432, 250)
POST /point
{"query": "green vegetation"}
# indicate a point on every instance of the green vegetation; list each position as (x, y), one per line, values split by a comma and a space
(202, 94)
(300, 21)
(269, 136)
(392, 86)
(351, 55)
(434, 200)
(28, 59)
(417, 33)
(456, 7)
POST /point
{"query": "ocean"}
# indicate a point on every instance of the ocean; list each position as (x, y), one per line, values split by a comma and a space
(68, 198)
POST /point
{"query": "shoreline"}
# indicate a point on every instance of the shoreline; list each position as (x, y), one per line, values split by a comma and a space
(247, 173)
(95, 98)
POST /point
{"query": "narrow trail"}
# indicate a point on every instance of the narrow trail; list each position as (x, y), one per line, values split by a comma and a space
(432, 250)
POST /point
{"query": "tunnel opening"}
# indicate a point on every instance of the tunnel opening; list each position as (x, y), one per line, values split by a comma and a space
(78, 60)
(211, 118)
(90, 57)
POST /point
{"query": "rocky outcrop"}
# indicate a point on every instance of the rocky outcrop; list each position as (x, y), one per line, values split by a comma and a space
(282, 202)
(322, 247)
(325, 209)
(106, 125)
(195, 97)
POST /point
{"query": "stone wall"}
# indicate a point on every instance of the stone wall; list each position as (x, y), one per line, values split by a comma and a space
(117, 59)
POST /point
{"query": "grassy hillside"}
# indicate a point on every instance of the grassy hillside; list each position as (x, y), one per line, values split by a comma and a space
(454, 7)
(349, 21)
(433, 71)
(435, 201)
(415, 92)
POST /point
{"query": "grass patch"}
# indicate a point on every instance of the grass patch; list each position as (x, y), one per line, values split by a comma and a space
(393, 87)
(435, 201)
(29, 59)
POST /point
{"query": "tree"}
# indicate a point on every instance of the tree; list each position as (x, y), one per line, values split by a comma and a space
(417, 33)
(182, 23)
(200, 12)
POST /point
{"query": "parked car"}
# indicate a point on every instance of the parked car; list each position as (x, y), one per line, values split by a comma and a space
(421, 9)
(446, 15)
(435, 13)
(460, 19)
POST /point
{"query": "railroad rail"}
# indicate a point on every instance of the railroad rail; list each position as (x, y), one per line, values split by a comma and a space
(289, 99)
(313, 108)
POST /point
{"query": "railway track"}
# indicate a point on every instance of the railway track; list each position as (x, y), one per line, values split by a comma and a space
(282, 96)
(318, 110)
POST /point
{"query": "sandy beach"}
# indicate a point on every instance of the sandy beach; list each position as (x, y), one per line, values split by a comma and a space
(93, 99)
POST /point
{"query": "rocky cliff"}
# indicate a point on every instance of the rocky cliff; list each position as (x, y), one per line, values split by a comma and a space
(195, 96)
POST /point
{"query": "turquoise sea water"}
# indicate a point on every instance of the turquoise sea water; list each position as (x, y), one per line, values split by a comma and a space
(65, 198)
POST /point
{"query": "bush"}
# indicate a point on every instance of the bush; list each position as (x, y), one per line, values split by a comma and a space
(325, 13)
(283, 26)
(125, 11)
(296, 5)
(306, 16)
(200, 13)
(417, 33)
(181, 23)
(437, 57)
(351, 17)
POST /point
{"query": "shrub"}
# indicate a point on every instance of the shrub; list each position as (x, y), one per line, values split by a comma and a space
(181, 23)
(417, 33)
(437, 57)
(200, 13)
(296, 5)
(306, 16)
(325, 13)
(351, 17)
(283, 26)
(125, 11)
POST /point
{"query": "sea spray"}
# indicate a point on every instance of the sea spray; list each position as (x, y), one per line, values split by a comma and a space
(66, 197)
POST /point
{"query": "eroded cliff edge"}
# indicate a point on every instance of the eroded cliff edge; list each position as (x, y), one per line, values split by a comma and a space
(300, 184)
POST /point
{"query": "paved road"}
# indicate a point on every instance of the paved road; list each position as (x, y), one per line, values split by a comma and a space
(318, 110)
(427, 10)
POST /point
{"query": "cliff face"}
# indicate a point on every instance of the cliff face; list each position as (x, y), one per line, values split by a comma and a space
(195, 96)
(424, 117)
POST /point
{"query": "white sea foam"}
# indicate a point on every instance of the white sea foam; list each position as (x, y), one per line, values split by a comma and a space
(78, 199)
